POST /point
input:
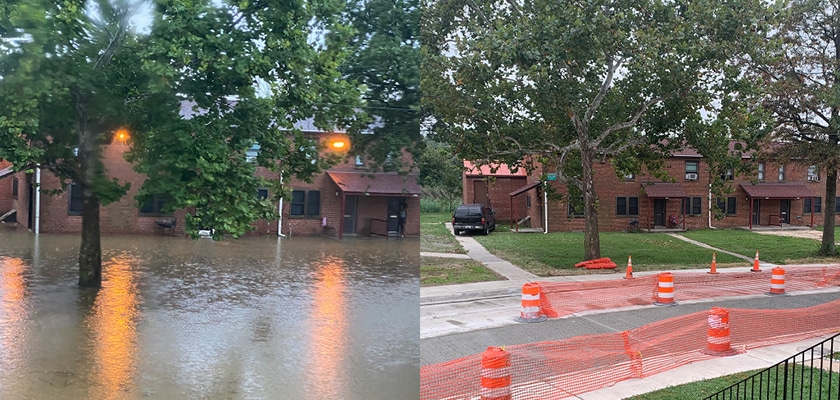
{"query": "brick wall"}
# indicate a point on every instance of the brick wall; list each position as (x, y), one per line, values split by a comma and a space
(498, 191)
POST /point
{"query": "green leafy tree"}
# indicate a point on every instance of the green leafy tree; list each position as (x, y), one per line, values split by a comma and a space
(799, 66)
(441, 173)
(385, 58)
(74, 72)
(563, 84)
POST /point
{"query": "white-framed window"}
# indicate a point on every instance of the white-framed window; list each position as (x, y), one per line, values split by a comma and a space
(629, 176)
(728, 175)
(761, 169)
(813, 174)
(692, 170)
(781, 173)
(252, 153)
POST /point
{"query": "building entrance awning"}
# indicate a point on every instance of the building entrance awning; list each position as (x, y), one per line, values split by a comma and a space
(663, 190)
(525, 188)
(375, 184)
(777, 190)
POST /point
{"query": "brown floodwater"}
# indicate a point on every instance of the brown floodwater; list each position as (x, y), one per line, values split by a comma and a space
(254, 318)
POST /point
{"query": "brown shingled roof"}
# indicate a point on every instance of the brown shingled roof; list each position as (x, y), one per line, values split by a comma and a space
(375, 183)
(777, 190)
(658, 190)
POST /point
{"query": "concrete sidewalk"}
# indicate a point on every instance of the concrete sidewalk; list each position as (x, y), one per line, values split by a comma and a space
(460, 320)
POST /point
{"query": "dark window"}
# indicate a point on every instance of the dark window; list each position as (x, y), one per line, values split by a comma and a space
(15, 188)
(262, 193)
(817, 205)
(836, 206)
(154, 206)
(527, 201)
(692, 205)
(313, 203)
(306, 203)
(576, 210)
(75, 206)
(727, 206)
(627, 206)
(298, 202)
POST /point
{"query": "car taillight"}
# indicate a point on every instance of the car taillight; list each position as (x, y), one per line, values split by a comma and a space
(482, 220)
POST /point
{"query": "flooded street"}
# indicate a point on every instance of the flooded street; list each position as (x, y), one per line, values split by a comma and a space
(254, 318)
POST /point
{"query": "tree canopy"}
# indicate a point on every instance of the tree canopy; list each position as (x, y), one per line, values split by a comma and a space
(385, 58)
(798, 67)
(561, 84)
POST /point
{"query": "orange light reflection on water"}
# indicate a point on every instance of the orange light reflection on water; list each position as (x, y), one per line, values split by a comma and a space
(113, 328)
(328, 332)
(13, 312)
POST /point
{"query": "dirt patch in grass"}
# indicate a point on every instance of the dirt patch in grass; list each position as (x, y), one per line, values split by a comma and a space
(435, 271)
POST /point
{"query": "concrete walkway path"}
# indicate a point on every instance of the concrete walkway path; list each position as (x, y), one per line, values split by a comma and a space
(477, 252)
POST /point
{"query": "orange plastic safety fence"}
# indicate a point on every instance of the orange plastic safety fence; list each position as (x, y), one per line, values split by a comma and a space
(569, 367)
(564, 298)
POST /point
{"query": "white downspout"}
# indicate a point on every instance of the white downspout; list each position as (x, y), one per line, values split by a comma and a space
(37, 198)
(710, 207)
(280, 213)
(545, 207)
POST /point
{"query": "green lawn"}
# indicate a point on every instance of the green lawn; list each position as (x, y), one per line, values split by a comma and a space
(774, 249)
(557, 253)
(702, 389)
(445, 271)
(434, 237)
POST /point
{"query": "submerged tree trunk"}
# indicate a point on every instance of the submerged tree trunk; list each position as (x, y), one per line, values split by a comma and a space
(591, 237)
(90, 251)
(828, 248)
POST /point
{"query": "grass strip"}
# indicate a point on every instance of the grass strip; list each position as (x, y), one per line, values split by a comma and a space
(436, 271)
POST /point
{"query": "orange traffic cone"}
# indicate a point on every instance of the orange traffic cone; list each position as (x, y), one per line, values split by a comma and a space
(755, 267)
(629, 273)
(713, 270)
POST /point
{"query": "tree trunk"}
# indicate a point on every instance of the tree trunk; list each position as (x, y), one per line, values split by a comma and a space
(90, 251)
(591, 237)
(828, 248)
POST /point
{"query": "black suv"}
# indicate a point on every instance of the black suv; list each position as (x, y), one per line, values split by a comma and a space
(473, 217)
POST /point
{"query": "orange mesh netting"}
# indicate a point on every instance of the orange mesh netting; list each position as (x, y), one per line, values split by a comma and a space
(564, 298)
(569, 367)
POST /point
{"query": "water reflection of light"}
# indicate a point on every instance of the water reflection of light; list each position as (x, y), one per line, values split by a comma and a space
(14, 311)
(328, 332)
(112, 323)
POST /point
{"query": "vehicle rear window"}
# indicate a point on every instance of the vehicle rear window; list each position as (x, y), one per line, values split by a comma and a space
(468, 212)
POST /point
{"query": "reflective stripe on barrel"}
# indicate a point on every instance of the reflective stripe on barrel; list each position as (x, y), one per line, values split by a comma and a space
(665, 293)
(530, 301)
(777, 281)
(718, 334)
(495, 374)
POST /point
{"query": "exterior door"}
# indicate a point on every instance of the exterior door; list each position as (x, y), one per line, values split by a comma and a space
(756, 217)
(659, 212)
(481, 194)
(350, 207)
(394, 214)
(784, 210)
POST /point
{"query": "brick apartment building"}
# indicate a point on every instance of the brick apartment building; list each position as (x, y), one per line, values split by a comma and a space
(345, 200)
(785, 194)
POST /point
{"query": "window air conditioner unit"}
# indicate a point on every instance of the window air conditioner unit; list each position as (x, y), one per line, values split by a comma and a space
(813, 179)
(691, 176)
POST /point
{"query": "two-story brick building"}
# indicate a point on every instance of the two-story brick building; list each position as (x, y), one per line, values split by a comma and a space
(345, 200)
(785, 195)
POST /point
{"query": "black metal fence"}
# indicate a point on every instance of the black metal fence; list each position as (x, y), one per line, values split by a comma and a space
(812, 374)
